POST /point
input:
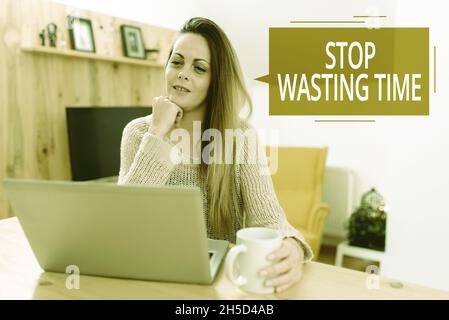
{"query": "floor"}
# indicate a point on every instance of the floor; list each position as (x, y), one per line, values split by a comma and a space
(327, 255)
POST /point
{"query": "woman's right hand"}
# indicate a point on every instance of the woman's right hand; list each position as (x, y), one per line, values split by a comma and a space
(166, 115)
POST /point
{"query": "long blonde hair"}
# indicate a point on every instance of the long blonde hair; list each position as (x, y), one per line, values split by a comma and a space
(226, 97)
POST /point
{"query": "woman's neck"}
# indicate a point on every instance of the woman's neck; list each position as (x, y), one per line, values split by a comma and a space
(189, 117)
(192, 146)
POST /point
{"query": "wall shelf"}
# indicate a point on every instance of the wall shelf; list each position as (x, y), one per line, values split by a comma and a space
(94, 56)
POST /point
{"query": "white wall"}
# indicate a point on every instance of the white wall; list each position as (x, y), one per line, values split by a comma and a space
(405, 158)
(418, 168)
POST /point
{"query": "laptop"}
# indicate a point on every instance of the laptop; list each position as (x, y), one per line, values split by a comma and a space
(122, 231)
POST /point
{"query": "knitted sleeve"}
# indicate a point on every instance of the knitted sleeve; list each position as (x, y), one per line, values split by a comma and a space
(144, 158)
(260, 203)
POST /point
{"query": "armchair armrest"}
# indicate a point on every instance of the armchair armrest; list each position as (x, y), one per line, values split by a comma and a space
(316, 219)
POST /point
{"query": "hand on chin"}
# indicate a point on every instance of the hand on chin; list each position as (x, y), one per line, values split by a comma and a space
(176, 101)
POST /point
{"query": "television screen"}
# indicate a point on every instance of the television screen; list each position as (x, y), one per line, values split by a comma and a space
(94, 139)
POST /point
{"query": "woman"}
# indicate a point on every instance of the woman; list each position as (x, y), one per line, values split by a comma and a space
(204, 86)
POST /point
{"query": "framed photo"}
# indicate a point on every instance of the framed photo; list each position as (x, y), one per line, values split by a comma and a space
(81, 34)
(132, 41)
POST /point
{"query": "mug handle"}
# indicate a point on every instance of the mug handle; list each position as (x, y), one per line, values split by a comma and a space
(231, 259)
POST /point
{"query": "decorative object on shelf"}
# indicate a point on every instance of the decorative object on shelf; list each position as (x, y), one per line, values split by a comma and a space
(52, 28)
(367, 225)
(152, 54)
(42, 37)
(132, 41)
(63, 42)
(81, 34)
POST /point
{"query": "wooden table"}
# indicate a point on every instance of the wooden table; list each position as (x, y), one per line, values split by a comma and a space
(22, 278)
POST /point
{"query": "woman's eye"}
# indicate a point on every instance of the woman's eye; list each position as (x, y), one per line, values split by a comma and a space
(200, 69)
(175, 63)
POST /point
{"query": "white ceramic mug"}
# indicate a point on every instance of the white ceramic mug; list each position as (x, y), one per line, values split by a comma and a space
(250, 256)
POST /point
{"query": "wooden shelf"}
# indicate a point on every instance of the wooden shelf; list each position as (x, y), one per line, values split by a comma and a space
(94, 56)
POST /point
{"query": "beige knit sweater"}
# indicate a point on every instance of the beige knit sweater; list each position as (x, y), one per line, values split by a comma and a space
(145, 159)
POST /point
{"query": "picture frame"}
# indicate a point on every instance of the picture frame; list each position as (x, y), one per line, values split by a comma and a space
(132, 42)
(81, 34)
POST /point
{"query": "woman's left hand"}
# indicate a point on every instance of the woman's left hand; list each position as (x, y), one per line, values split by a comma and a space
(287, 267)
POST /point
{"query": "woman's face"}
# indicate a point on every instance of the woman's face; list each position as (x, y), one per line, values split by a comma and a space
(188, 72)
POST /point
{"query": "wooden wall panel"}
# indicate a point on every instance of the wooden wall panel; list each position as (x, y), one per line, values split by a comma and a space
(35, 88)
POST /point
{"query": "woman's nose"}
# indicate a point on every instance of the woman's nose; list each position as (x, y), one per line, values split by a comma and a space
(183, 75)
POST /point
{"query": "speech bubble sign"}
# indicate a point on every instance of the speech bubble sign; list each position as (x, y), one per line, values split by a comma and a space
(348, 71)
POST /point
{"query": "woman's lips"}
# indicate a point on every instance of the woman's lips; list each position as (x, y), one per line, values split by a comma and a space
(180, 89)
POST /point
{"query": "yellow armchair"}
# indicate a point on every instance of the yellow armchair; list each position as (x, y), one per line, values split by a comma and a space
(298, 183)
